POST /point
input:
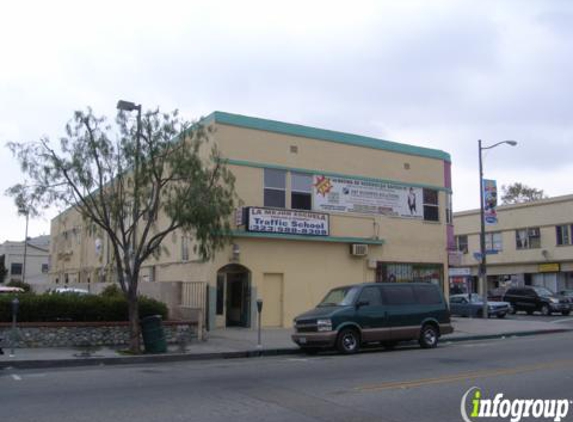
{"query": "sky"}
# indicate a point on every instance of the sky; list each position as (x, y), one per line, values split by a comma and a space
(439, 74)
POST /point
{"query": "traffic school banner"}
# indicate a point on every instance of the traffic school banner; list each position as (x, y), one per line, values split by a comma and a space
(272, 220)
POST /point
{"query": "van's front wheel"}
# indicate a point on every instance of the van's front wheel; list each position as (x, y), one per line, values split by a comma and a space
(428, 337)
(348, 341)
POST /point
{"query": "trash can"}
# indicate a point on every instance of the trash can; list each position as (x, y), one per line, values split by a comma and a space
(153, 335)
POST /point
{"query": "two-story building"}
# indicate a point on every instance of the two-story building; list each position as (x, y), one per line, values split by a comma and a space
(27, 261)
(321, 209)
(532, 244)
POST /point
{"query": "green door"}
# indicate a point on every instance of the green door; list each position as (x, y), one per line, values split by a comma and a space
(371, 315)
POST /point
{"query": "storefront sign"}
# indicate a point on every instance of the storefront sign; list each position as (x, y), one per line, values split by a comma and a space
(490, 201)
(459, 272)
(367, 196)
(549, 268)
(272, 220)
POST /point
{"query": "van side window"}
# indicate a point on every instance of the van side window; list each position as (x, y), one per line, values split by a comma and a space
(372, 295)
(399, 295)
(427, 295)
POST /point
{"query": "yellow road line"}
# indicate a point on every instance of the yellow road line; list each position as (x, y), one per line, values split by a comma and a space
(464, 376)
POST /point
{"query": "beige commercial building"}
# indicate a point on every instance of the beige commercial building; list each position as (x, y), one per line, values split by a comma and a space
(320, 209)
(531, 244)
(26, 262)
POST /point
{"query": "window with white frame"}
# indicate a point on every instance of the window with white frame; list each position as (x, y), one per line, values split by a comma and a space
(564, 234)
(275, 188)
(493, 241)
(301, 191)
(184, 248)
(431, 208)
(449, 218)
(462, 243)
(529, 238)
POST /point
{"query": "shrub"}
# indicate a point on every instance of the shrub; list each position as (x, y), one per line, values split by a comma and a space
(78, 308)
(15, 283)
(112, 290)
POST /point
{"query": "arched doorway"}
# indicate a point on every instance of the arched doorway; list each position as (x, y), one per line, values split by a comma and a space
(234, 296)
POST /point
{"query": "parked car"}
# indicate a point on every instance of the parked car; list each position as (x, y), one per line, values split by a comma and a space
(11, 290)
(472, 305)
(566, 293)
(384, 313)
(70, 291)
(536, 298)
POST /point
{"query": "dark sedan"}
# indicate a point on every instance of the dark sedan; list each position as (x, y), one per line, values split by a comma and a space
(472, 305)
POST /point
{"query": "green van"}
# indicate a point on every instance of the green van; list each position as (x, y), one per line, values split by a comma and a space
(384, 313)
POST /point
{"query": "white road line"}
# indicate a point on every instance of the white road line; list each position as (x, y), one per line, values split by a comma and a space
(558, 321)
(16, 377)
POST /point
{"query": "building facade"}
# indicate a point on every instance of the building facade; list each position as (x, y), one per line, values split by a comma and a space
(36, 265)
(531, 244)
(320, 209)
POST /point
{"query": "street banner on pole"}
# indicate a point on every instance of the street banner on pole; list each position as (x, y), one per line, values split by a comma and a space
(490, 201)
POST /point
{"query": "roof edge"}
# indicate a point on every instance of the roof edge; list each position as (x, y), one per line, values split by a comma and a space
(323, 134)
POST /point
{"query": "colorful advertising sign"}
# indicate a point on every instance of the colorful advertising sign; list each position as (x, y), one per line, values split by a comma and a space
(490, 201)
(367, 196)
(271, 220)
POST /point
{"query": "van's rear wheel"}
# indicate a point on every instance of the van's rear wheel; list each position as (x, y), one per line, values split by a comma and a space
(348, 341)
(428, 337)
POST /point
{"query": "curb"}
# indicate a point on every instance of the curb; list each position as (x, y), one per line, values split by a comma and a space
(182, 357)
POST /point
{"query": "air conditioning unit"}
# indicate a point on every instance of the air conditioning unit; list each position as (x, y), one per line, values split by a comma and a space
(359, 249)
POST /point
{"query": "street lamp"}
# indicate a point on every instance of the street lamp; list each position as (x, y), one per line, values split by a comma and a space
(131, 106)
(482, 266)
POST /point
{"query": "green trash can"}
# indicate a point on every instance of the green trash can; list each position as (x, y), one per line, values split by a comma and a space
(153, 335)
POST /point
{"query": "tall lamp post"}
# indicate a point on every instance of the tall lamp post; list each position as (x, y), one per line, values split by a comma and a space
(130, 106)
(482, 266)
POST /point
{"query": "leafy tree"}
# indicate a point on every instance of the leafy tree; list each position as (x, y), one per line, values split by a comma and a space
(120, 181)
(518, 193)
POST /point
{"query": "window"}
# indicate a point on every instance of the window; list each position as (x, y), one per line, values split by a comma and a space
(462, 243)
(399, 295)
(184, 248)
(275, 188)
(301, 191)
(45, 268)
(563, 234)
(427, 295)
(431, 208)
(528, 238)
(16, 269)
(449, 219)
(371, 295)
(493, 242)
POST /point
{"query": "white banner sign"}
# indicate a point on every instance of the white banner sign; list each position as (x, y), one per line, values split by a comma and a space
(365, 196)
(270, 220)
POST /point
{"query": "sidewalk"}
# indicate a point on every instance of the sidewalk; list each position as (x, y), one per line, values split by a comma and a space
(242, 342)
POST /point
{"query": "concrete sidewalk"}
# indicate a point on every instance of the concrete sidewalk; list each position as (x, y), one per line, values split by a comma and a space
(242, 342)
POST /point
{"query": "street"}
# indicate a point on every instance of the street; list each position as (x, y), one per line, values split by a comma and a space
(407, 384)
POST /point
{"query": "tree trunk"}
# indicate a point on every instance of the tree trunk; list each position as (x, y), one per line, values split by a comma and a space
(134, 329)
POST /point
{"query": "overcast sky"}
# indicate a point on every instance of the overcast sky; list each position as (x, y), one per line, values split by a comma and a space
(440, 74)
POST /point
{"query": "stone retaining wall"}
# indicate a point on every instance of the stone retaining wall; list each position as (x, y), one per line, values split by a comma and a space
(69, 334)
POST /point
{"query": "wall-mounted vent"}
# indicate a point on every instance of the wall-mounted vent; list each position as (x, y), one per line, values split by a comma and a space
(359, 249)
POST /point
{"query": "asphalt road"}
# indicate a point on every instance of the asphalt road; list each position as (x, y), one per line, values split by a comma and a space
(407, 384)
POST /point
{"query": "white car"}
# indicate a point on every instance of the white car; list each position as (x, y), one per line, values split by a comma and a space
(71, 290)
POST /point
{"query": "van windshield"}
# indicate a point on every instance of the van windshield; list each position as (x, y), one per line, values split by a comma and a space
(342, 296)
(543, 292)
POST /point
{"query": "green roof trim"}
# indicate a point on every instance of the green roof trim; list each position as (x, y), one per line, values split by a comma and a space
(323, 134)
(253, 164)
(331, 239)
